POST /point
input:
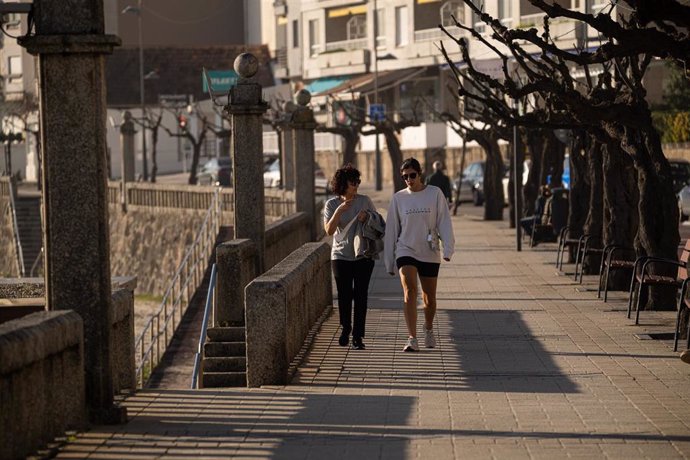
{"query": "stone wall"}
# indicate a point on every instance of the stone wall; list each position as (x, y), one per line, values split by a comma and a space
(285, 236)
(41, 380)
(150, 243)
(281, 307)
(8, 249)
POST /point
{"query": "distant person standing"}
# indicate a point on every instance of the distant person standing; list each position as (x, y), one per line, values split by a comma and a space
(418, 217)
(351, 274)
(440, 180)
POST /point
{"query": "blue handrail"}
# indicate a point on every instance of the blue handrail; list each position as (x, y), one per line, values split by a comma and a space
(204, 328)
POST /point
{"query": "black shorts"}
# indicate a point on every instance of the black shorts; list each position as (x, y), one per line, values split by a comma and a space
(425, 269)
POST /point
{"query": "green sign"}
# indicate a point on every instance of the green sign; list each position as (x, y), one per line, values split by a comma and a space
(221, 80)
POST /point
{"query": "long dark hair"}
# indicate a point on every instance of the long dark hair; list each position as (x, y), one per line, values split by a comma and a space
(347, 173)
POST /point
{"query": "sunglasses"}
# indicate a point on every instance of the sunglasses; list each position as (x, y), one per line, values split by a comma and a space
(409, 176)
(355, 182)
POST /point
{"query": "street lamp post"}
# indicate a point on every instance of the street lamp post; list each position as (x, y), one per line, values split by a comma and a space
(376, 98)
(138, 11)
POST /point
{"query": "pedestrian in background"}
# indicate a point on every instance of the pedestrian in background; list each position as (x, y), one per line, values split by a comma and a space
(352, 275)
(417, 217)
(440, 180)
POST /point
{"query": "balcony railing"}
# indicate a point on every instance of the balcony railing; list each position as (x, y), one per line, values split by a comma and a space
(347, 45)
(435, 34)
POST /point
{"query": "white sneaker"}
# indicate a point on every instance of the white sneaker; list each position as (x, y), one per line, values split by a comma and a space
(429, 339)
(411, 345)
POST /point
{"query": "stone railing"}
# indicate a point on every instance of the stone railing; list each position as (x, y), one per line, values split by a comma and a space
(281, 306)
(42, 380)
(32, 291)
(277, 203)
(235, 260)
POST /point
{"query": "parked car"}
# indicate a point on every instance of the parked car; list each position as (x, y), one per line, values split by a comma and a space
(472, 180)
(272, 175)
(680, 173)
(217, 171)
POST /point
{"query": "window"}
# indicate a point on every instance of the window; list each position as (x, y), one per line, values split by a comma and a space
(357, 27)
(380, 27)
(401, 26)
(314, 46)
(477, 23)
(295, 34)
(14, 67)
(504, 9)
(452, 8)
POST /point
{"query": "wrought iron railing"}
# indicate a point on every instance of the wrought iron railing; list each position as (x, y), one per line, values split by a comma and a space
(198, 374)
(158, 332)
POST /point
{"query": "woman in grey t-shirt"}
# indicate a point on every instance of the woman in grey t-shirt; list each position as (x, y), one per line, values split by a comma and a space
(352, 275)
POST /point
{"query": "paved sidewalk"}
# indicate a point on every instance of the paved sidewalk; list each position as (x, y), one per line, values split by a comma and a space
(528, 366)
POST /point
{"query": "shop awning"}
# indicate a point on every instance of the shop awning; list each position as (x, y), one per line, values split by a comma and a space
(364, 84)
(322, 85)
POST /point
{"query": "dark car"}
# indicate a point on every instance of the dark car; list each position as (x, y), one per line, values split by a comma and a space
(217, 171)
(680, 173)
(472, 183)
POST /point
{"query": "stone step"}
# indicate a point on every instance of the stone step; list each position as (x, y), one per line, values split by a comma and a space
(226, 334)
(224, 349)
(224, 379)
(232, 364)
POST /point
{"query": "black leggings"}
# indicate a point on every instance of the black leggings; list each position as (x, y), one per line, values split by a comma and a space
(346, 274)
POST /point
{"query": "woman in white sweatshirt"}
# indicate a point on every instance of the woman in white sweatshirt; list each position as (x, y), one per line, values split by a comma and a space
(418, 217)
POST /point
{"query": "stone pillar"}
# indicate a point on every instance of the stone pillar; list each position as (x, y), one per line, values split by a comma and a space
(302, 125)
(247, 109)
(287, 162)
(127, 132)
(70, 44)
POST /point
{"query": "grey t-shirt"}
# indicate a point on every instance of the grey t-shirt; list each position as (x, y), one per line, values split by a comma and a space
(343, 249)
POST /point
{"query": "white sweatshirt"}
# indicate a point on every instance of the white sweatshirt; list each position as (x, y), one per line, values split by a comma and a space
(411, 217)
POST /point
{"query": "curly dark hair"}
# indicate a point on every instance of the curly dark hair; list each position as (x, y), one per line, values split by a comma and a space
(347, 173)
(411, 163)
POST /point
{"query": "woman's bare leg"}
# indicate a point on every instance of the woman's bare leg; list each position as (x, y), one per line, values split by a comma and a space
(429, 297)
(408, 279)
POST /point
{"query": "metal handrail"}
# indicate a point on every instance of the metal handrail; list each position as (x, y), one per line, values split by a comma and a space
(35, 264)
(20, 251)
(210, 301)
(154, 339)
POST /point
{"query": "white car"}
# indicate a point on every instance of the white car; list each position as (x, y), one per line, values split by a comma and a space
(272, 175)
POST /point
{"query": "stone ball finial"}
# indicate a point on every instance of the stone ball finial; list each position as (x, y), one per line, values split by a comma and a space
(246, 65)
(302, 97)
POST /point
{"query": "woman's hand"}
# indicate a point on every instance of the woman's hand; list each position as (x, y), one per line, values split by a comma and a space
(362, 216)
(344, 206)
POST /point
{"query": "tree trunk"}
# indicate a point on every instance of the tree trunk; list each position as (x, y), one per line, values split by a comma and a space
(196, 154)
(595, 215)
(534, 141)
(350, 153)
(493, 176)
(620, 209)
(396, 157)
(658, 233)
(154, 153)
(578, 201)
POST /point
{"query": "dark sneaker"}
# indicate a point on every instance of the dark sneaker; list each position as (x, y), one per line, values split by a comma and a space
(344, 340)
(357, 343)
